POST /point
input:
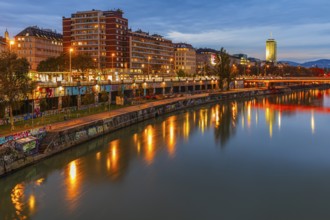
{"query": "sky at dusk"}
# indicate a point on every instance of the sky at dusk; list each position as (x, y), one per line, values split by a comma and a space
(301, 28)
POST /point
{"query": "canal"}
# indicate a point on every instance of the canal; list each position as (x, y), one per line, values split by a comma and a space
(261, 158)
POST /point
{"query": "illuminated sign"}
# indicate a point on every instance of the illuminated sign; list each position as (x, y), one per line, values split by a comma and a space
(213, 59)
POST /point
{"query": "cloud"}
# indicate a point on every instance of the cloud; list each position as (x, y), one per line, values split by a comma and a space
(291, 40)
(237, 25)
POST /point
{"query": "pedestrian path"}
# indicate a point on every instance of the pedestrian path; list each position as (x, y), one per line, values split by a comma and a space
(105, 115)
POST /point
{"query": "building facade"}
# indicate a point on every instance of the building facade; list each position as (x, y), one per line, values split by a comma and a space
(150, 54)
(205, 60)
(36, 44)
(101, 34)
(271, 51)
(3, 44)
(185, 58)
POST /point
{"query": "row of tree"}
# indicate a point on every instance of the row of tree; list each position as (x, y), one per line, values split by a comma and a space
(15, 83)
(80, 62)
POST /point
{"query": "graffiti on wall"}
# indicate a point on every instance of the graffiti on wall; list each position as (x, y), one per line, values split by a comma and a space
(23, 134)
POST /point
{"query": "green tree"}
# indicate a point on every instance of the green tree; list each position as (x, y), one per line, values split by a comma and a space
(181, 73)
(15, 83)
(82, 62)
(53, 64)
(222, 68)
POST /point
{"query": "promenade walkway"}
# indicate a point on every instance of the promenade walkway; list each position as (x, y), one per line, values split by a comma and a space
(64, 125)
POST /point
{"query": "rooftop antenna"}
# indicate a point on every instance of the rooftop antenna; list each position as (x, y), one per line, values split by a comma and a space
(271, 35)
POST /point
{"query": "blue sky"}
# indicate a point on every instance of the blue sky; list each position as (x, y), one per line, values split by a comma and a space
(301, 27)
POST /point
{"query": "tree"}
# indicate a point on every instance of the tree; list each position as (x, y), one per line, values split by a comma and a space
(15, 83)
(181, 73)
(53, 64)
(82, 62)
(222, 67)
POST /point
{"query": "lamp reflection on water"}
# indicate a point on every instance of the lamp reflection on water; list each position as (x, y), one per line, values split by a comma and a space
(150, 151)
(32, 203)
(17, 199)
(113, 156)
(171, 140)
(186, 127)
(279, 120)
(249, 115)
(72, 184)
(312, 123)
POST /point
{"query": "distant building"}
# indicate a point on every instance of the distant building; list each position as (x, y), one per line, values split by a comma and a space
(100, 34)
(254, 61)
(4, 41)
(205, 60)
(150, 54)
(3, 44)
(241, 59)
(36, 44)
(271, 51)
(185, 58)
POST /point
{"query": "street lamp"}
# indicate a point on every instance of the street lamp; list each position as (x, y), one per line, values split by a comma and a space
(171, 60)
(148, 65)
(11, 43)
(70, 52)
(112, 56)
(33, 96)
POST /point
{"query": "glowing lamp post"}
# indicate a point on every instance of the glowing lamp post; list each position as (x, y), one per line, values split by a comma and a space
(70, 67)
(171, 61)
(112, 56)
(11, 43)
(149, 58)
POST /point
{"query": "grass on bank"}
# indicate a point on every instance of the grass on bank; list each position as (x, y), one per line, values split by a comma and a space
(50, 119)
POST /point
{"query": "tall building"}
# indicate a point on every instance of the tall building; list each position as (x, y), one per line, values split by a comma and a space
(36, 44)
(185, 58)
(100, 34)
(271, 51)
(150, 54)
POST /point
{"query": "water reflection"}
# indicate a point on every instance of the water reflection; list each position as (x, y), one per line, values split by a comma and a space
(108, 158)
(227, 117)
(287, 105)
(72, 183)
(149, 139)
(312, 122)
(171, 140)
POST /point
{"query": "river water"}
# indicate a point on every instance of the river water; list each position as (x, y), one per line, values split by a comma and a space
(262, 158)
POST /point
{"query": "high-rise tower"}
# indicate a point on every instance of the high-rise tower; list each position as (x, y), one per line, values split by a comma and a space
(271, 51)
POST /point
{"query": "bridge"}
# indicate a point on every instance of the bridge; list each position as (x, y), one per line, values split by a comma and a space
(286, 80)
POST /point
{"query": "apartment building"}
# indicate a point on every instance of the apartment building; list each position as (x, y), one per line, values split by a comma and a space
(36, 44)
(100, 34)
(185, 58)
(150, 54)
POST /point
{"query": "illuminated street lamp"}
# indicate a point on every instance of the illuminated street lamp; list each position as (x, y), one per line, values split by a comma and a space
(149, 58)
(11, 43)
(171, 60)
(112, 56)
(70, 52)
